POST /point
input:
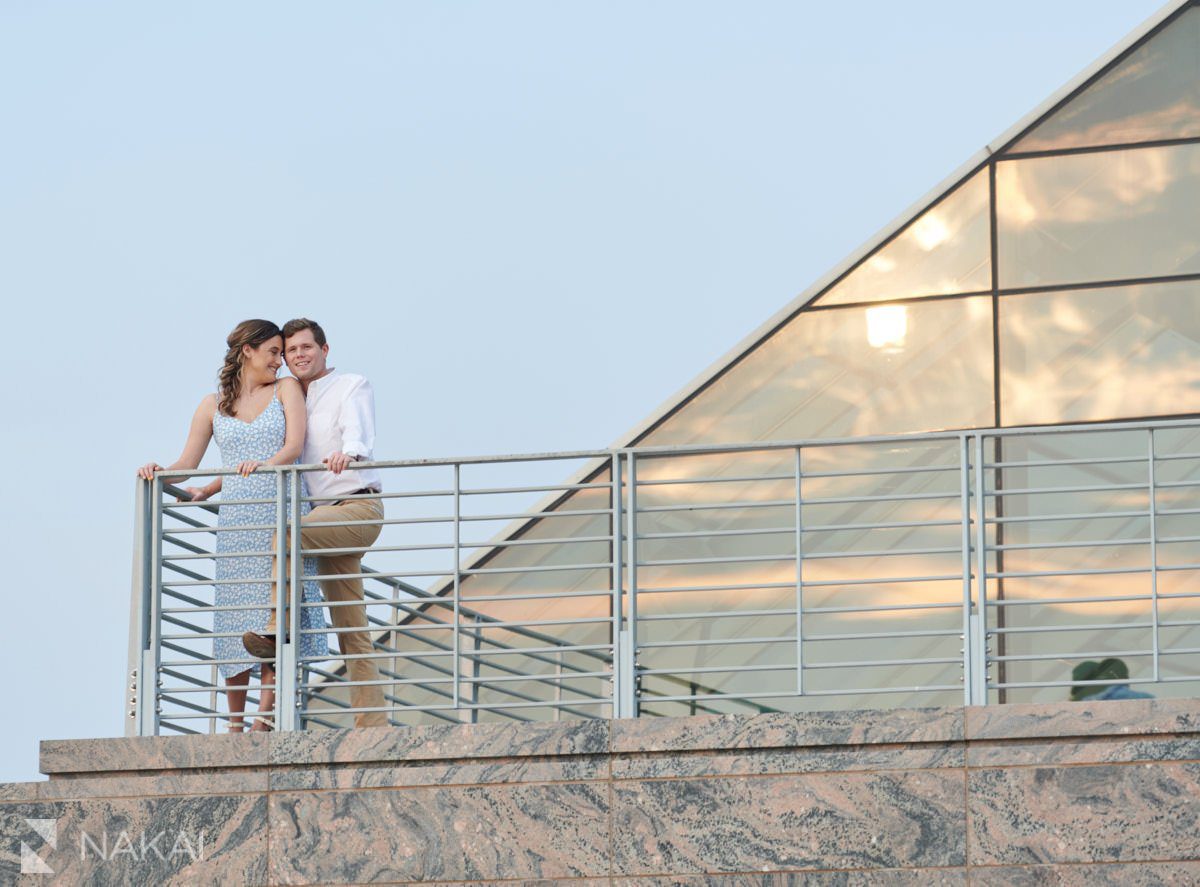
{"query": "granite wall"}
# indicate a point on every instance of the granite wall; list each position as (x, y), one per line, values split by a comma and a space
(1095, 794)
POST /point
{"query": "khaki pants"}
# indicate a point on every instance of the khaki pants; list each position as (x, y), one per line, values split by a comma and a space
(313, 535)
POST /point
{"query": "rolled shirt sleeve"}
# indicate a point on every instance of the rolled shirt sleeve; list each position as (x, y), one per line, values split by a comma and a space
(358, 420)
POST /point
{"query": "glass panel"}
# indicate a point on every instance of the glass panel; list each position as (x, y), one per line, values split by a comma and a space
(1076, 561)
(946, 250)
(1153, 94)
(717, 604)
(1113, 353)
(1111, 215)
(847, 372)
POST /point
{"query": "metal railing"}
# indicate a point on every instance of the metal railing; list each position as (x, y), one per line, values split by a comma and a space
(965, 567)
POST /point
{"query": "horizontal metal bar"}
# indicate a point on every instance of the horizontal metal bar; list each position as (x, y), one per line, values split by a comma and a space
(716, 669)
(714, 642)
(536, 515)
(715, 479)
(550, 488)
(1037, 574)
(1176, 484)
(1057, 656)
(1044, 629)
(948, 496)
(898, 580)
(869, 472)
(881, 552)
(1089, 543)
(848, 692)
(1066, 682)
(1058, 463)
(1060, 601)
(1042, 518)
(717, 506)
(1089, 488)
(560, 540)
(734, 559)
(881, 663)
(885, 635)
(716, 534)
(552, 568)
(886, 525)
(555, 679)
(1175, 457)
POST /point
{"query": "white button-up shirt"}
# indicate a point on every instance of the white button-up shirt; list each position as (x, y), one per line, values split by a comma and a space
(341, 418)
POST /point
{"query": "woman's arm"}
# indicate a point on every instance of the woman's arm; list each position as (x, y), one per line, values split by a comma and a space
(295, 413)
(199, 434)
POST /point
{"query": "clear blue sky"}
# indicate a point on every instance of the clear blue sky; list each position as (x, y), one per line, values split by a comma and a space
(527, 222)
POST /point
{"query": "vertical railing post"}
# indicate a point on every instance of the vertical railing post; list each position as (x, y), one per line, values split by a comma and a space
(457, 563)
(977, 674)
(964, 478)
(625, 660)
(617, 542)
(139, 606)
(1154, 552)
(799, 575)
(476, 667)
(149, 705)
(288, 597)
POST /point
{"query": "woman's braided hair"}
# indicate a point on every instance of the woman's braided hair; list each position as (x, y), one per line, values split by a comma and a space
(229, 379)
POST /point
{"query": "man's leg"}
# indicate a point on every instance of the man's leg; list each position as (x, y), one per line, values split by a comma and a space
(354, 616)
(314, 536)
(350, 615)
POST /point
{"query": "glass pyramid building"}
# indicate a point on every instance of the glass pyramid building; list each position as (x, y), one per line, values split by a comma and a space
(1053, 280)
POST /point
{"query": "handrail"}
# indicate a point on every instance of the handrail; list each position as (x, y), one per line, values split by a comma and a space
(838, 568)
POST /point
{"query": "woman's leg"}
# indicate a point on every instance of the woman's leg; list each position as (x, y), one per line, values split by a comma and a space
(236, 699)
(266, 699)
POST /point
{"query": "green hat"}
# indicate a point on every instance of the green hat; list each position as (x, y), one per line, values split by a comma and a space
(1091, 670)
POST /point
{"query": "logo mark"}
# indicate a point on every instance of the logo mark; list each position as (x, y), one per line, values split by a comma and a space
(31, 863)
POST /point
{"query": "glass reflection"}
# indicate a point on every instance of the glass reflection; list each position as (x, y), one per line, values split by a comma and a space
(1110, 215)
(1076, 562)
(1153, 94)
(718, 576)
(945, 251)
(1112, 353)
(818, 376)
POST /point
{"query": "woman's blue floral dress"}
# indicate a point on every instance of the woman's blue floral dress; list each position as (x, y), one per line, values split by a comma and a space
(240, 441)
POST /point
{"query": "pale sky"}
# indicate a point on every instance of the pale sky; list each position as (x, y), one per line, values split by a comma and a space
(528, 223)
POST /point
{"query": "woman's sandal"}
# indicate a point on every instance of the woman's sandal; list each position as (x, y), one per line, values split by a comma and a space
(262, 725)
(236, 726)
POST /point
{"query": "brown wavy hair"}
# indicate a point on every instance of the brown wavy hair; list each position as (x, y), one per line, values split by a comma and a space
(229, 379)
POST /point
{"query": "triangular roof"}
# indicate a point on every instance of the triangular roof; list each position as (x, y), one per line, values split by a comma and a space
(975, 164)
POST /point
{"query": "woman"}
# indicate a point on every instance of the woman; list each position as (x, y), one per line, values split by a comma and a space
(257, 420)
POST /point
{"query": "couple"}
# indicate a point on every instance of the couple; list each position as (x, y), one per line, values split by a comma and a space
(320, 415)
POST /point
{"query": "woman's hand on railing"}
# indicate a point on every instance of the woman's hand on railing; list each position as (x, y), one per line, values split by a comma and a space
(196, 494)
(146, 472)
(247, 468)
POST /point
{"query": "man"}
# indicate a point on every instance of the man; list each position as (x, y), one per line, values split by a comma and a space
(341, 430)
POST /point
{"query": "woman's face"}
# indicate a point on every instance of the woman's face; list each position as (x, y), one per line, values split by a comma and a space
(264, 361)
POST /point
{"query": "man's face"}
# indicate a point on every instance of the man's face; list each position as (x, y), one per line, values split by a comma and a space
(305, 358)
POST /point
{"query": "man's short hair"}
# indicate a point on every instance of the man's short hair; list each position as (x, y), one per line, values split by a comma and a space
(303, 323)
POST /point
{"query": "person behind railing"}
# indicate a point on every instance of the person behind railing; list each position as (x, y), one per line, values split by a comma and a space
(257, 420)
(347, 512)
(1105, 669)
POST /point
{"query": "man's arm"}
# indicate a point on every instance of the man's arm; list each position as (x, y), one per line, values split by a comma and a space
(357, 426)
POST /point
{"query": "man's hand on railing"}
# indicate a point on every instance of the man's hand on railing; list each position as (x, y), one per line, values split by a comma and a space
(196, 494)
(337, 462)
